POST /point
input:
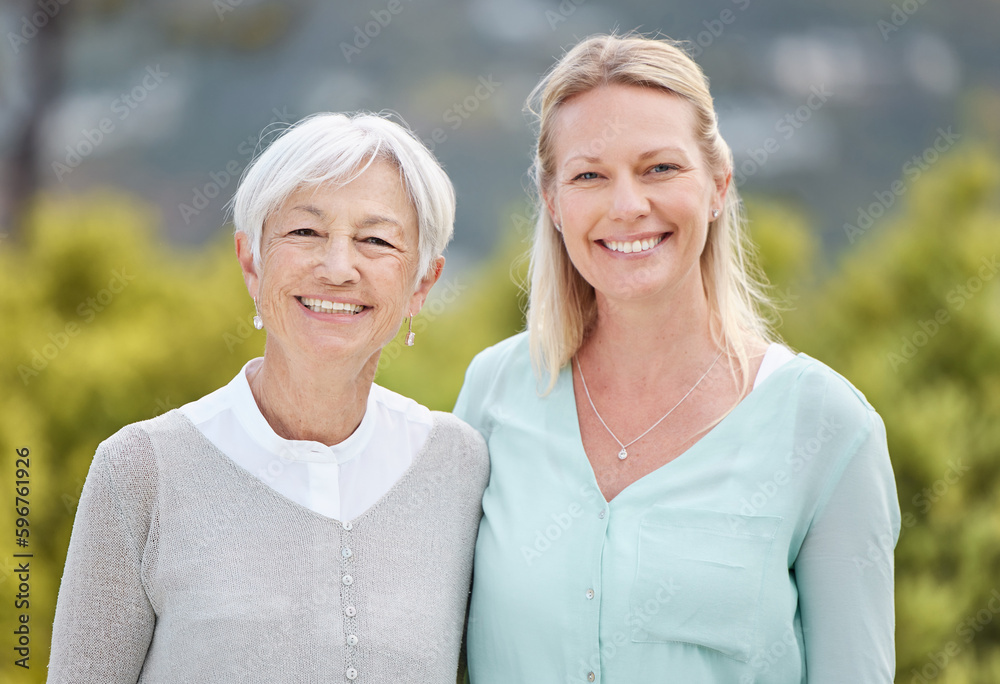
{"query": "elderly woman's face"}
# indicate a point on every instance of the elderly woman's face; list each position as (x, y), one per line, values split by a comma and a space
(632, 192)
(338, 267)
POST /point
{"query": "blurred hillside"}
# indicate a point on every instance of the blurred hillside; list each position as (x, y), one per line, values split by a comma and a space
(823, 105)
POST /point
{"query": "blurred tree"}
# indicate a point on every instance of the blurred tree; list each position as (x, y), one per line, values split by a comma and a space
(911, 315)
(103, 325)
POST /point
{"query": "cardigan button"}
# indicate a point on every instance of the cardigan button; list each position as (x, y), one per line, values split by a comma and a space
(348, 580)
(347, 525)
(346, 552)
(351, 673)
(350, 611)
(352, 640)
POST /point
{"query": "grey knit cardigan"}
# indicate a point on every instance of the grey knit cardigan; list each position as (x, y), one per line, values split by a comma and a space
(184, 567)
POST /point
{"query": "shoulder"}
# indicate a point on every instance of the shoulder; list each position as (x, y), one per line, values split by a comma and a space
(507, 361)
(461, 444)
(829, 393)
(510, 353)
(831, 422)
(451, 431)
(131, 455)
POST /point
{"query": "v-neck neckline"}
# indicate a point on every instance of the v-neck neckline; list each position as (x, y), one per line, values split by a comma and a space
(566, 403)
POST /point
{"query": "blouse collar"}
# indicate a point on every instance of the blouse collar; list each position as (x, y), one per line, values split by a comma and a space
(260, 431)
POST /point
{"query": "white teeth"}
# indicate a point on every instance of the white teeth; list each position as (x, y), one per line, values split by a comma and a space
(325, 306)
(634, 246)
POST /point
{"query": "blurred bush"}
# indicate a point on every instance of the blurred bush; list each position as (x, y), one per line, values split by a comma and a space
(104, 324)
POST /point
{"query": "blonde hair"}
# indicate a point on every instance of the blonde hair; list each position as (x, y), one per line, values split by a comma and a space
(561, 304)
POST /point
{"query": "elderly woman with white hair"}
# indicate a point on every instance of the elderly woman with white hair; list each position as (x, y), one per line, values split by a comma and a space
(300, 524)
(674, 495)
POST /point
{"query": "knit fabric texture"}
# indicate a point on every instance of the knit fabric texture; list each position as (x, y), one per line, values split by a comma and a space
(184, 567)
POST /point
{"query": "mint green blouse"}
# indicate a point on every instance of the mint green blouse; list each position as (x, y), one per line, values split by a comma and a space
(763, 554)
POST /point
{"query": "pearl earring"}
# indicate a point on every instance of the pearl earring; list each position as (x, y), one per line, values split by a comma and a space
(715, 213)
(258, 322)
(410, 335)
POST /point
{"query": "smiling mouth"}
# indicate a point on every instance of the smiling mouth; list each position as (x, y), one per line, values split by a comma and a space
(326, 306)
(634, 245)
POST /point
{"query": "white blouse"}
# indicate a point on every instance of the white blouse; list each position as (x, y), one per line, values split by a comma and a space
(340, 481)
(344, 480)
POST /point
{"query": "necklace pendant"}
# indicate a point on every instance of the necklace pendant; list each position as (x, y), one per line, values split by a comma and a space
(622, 455)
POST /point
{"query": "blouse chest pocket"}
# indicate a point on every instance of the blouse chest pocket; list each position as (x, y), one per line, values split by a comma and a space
(699, 579)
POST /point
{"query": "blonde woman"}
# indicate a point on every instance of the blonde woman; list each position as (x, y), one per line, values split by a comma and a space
(675, 496)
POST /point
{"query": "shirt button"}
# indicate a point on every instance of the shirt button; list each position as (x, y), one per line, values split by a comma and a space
(591, 676)
(352, 640)
(350, 611)
(601, 516)
(590, 593)
(348, 526)
(346, 552)
(348, 580)
(351, 673)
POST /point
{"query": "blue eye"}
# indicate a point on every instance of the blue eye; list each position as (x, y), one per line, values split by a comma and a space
(663, 168)
(586, 175)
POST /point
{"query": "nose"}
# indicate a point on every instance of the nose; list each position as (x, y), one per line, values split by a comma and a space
(628, 201)
(338, 262)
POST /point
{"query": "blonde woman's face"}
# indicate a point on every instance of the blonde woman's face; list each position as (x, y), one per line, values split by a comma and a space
(632, 192)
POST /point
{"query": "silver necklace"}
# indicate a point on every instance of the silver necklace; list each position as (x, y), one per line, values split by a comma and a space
(623, 454)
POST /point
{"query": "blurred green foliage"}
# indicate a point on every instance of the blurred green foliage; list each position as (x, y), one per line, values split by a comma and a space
(104, 324)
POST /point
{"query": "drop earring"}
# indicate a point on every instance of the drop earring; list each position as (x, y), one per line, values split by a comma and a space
(258, 322)
(410, 335)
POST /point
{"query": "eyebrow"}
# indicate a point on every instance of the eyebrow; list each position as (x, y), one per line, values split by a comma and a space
(310, 209)
(366, 222)
(645, 155)
(378, 219)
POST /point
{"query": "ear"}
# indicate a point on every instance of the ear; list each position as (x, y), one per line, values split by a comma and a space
(424, 286)
(552, 207)
(721, 188)
(245, 257)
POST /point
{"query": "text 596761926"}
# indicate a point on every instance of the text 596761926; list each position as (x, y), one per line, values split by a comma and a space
(22, 599)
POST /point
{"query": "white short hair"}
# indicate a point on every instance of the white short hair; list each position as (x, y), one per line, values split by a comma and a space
(336, 148)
